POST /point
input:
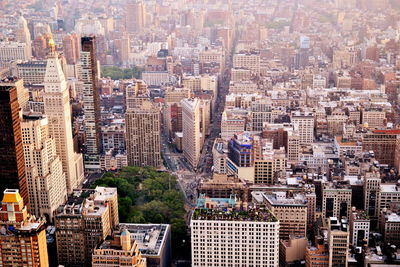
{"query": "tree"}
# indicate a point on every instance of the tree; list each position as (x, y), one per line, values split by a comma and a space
(148, 196)
(117, 73)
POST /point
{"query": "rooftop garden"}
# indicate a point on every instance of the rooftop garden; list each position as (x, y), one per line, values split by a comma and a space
(257, 215)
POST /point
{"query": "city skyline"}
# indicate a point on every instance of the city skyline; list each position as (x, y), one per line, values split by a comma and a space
(175, 133)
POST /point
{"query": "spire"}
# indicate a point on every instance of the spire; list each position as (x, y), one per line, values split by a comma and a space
(54, 79)
(52, 46)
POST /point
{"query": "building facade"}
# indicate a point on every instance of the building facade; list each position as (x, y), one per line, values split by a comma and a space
(58, 111)
(191, 140)
(228, 238)
(91, 103)
(44, 174)
(12, 167)
(23, 238)
(83, 223)
(143, 135)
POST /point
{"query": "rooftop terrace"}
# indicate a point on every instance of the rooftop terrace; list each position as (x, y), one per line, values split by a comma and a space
(256, 215)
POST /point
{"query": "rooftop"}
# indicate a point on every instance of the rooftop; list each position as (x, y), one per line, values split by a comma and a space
(393, 217)
(280, 199)
(360, 215)
(388, 188)
(11, 196)
(254, 214)
(149, 237)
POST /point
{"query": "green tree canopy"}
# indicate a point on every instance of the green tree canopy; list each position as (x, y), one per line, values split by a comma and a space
(117, 73)
(148, 196)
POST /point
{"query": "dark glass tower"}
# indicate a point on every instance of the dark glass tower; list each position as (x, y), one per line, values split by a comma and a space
(12, 163)
(91, 103)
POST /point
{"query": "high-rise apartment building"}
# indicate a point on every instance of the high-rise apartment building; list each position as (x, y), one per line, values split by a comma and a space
(311, 199)
(318, 255)
(58, 111)
(372, 184)
(71, 48)
(383, 143)
(223, 235)
(213, 57)
(304, 126)
(91, 103)
(338, 242)
(83, 223)
(12, 167)
(290, 211)
(23, 237)
(143, 135)
(388, 194)
(44, 174)
(191, 140)
(11, 51)
(336, 201)
(22, 92)
(359, 228)
(142, 123)
(135, 17)
(120, 250)
(374, 118)
(250, 61)
(32, 72)
(260, 114)
(389, 225)
(293, 147)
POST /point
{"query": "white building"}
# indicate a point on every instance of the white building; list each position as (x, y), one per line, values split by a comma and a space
(224, 236)
(359, 228)
(232, 124)
(220, 152)
(338, 242)
(47, 188)
(157, 78)
(32, 72)
(11, 51)
(336, 201)
(57, 108)
(191, 120)
(304, 125)
(23, 35)
(250, 61)
(319, 82)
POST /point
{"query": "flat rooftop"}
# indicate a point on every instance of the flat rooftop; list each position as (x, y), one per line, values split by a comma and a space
(387, 188)
(149, 237)
(280, 199)
(251, 215)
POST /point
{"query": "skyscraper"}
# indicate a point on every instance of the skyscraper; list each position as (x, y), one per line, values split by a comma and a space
(135, 16)
(12, 166)
(91, 103)
(44, 174)
(338, 242)
(304, 126)
(71, 48)
(224, 235)
(142, 120)
(191, 140)
(143, 135)
(22, 237)
(84, 223)
(58, 111)
(23, 35)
